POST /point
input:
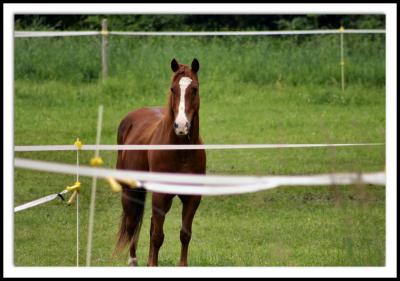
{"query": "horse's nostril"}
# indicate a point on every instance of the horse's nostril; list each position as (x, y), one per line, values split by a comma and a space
(187, 125)
(175, 125)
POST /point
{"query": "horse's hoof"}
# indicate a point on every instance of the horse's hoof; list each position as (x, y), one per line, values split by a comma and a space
(132, 262)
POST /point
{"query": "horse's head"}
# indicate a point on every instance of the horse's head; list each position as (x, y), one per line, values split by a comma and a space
(184, 96)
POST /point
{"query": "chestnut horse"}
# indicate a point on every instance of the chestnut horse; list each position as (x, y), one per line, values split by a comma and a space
(176, 123)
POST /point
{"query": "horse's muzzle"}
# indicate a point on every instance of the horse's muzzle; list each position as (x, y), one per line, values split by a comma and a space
(181, 128)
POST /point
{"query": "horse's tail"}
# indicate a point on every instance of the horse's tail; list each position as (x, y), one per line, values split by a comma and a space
(123, 130)
(133, 201)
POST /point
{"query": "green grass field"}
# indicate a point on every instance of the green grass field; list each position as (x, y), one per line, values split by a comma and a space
(253, 90)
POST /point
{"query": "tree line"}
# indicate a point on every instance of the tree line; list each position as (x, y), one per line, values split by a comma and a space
(198, 22)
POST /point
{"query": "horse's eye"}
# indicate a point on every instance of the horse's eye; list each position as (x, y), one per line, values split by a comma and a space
(172, 89)
(194, 91)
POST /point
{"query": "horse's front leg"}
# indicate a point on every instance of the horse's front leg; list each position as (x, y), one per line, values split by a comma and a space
(190, 204)
(161, 204)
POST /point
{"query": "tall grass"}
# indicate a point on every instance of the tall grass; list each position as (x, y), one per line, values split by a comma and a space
(261, 60)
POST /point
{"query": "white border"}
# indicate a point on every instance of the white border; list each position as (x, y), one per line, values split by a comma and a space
(236, 8)
(391, 140)
(391, 33)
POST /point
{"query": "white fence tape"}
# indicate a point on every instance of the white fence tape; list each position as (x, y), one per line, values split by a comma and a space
(54, 33)
(39, 201)
(194, 33)
(206, 184)
(243, 33)
(180, 147)
(269, 183)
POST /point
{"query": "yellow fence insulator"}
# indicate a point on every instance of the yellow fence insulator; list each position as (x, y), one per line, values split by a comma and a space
(75, 189)
(96, 161)
(78, 144)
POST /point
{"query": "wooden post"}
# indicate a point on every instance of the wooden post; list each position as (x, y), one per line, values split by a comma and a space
(104, 49)
(342, 55)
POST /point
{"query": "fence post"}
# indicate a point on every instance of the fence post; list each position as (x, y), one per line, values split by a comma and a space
(342, 55)
(104, 49)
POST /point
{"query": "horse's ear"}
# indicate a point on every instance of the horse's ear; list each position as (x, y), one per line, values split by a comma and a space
(195, 65)
(174, 65)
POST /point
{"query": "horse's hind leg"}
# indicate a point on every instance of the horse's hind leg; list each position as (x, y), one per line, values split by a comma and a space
(133, 206)
(190, 204)
(161, 204)
(132, 261)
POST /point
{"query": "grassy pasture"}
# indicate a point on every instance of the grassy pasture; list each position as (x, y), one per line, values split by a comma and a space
(253, 90)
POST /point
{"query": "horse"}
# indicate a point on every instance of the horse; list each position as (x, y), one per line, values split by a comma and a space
(176, 123)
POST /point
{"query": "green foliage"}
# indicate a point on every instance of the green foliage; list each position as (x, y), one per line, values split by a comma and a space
(183, 22)
(297, 23)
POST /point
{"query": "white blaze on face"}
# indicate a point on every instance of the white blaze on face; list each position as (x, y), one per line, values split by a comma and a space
(181, 119)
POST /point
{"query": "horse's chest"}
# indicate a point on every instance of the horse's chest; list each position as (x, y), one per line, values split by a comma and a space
(174, 161)
(183, 158)
(183, 161)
